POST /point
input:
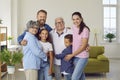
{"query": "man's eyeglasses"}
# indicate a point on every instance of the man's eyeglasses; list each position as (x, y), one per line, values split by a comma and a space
(56, 23)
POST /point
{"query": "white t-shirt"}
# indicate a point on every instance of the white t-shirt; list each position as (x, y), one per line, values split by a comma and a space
(58, 42)
(47, 46)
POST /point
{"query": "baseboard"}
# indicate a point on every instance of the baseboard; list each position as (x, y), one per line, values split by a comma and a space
(115, 58)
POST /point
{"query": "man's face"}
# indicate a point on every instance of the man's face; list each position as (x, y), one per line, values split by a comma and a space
(59, 24)
(41, 18)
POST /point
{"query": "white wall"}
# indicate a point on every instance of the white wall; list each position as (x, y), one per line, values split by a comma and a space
(15, 19)
(90, 9)
(56, 8)
(5, 14)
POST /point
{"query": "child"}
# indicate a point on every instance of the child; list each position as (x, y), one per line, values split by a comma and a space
(66, 66)
(45, 73)
(33, 54)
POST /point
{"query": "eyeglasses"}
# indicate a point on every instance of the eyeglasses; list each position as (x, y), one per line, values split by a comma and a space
(56, 23)
(34, 27)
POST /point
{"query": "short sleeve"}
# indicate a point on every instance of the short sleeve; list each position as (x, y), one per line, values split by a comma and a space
(85, 33)
(50, 47)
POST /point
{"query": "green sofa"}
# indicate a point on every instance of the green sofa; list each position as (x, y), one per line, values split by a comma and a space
(97, 62)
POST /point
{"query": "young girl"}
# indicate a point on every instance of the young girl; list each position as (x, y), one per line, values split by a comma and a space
(45, 72)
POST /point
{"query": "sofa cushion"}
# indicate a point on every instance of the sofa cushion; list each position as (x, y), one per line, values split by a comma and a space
(95, 51)
(97, 66)
(102, 57)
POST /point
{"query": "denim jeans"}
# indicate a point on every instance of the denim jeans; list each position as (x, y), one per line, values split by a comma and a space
(67, 77)
(43, 73)
(57, 72)
(80, 64)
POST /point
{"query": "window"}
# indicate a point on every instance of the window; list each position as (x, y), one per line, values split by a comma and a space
(110, 16)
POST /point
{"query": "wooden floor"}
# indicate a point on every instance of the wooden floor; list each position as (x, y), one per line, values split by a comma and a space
(114, 73)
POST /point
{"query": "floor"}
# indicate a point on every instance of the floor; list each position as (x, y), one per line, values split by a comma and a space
(114, 73)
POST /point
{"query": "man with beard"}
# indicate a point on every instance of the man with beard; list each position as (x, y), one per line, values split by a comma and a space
(41, 19)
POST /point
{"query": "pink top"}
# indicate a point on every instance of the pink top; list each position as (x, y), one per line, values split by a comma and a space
(77, 41)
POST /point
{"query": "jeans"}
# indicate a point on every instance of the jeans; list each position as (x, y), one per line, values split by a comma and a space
(57, 72)
(43, 73)
(67, 77)
(80, 64)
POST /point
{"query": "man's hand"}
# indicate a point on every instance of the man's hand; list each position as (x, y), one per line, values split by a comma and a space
(23, 42)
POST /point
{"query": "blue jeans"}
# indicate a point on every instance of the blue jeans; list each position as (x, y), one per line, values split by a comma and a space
(43, 73)
(67, 77)
(80, 64)
(57, 72)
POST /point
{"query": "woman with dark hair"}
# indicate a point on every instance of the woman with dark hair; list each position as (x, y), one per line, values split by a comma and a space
(80, 43)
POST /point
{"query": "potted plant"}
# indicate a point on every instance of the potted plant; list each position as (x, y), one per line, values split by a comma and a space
(9, 38)
(11, 59)
(110, 36)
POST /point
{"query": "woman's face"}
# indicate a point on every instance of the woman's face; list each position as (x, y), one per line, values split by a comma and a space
(43, 35)
(76, 20)
(33, 30)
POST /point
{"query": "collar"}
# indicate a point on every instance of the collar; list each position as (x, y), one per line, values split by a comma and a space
(64, 31)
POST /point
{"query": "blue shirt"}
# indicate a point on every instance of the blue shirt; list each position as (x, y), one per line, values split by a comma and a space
(66, 66)
(20, 38)
(33, 54)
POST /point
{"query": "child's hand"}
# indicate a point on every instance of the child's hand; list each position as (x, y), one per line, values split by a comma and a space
(50, 71)
(88, 48)
(56, 56)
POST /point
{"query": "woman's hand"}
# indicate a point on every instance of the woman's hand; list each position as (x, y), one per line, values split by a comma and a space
(68, 57)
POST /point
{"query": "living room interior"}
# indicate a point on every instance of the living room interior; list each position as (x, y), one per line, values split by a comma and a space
(101, 16)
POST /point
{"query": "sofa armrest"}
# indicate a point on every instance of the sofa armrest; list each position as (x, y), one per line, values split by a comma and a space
(102, 57)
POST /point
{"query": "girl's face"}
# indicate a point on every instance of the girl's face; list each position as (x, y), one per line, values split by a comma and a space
(33, 30)
(43, 35)
(76, 20)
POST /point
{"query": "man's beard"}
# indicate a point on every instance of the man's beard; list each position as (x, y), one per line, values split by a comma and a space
(41, 22)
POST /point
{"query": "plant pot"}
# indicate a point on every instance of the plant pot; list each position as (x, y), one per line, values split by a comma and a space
(110, 40)
(11, 69)
(1, 25)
